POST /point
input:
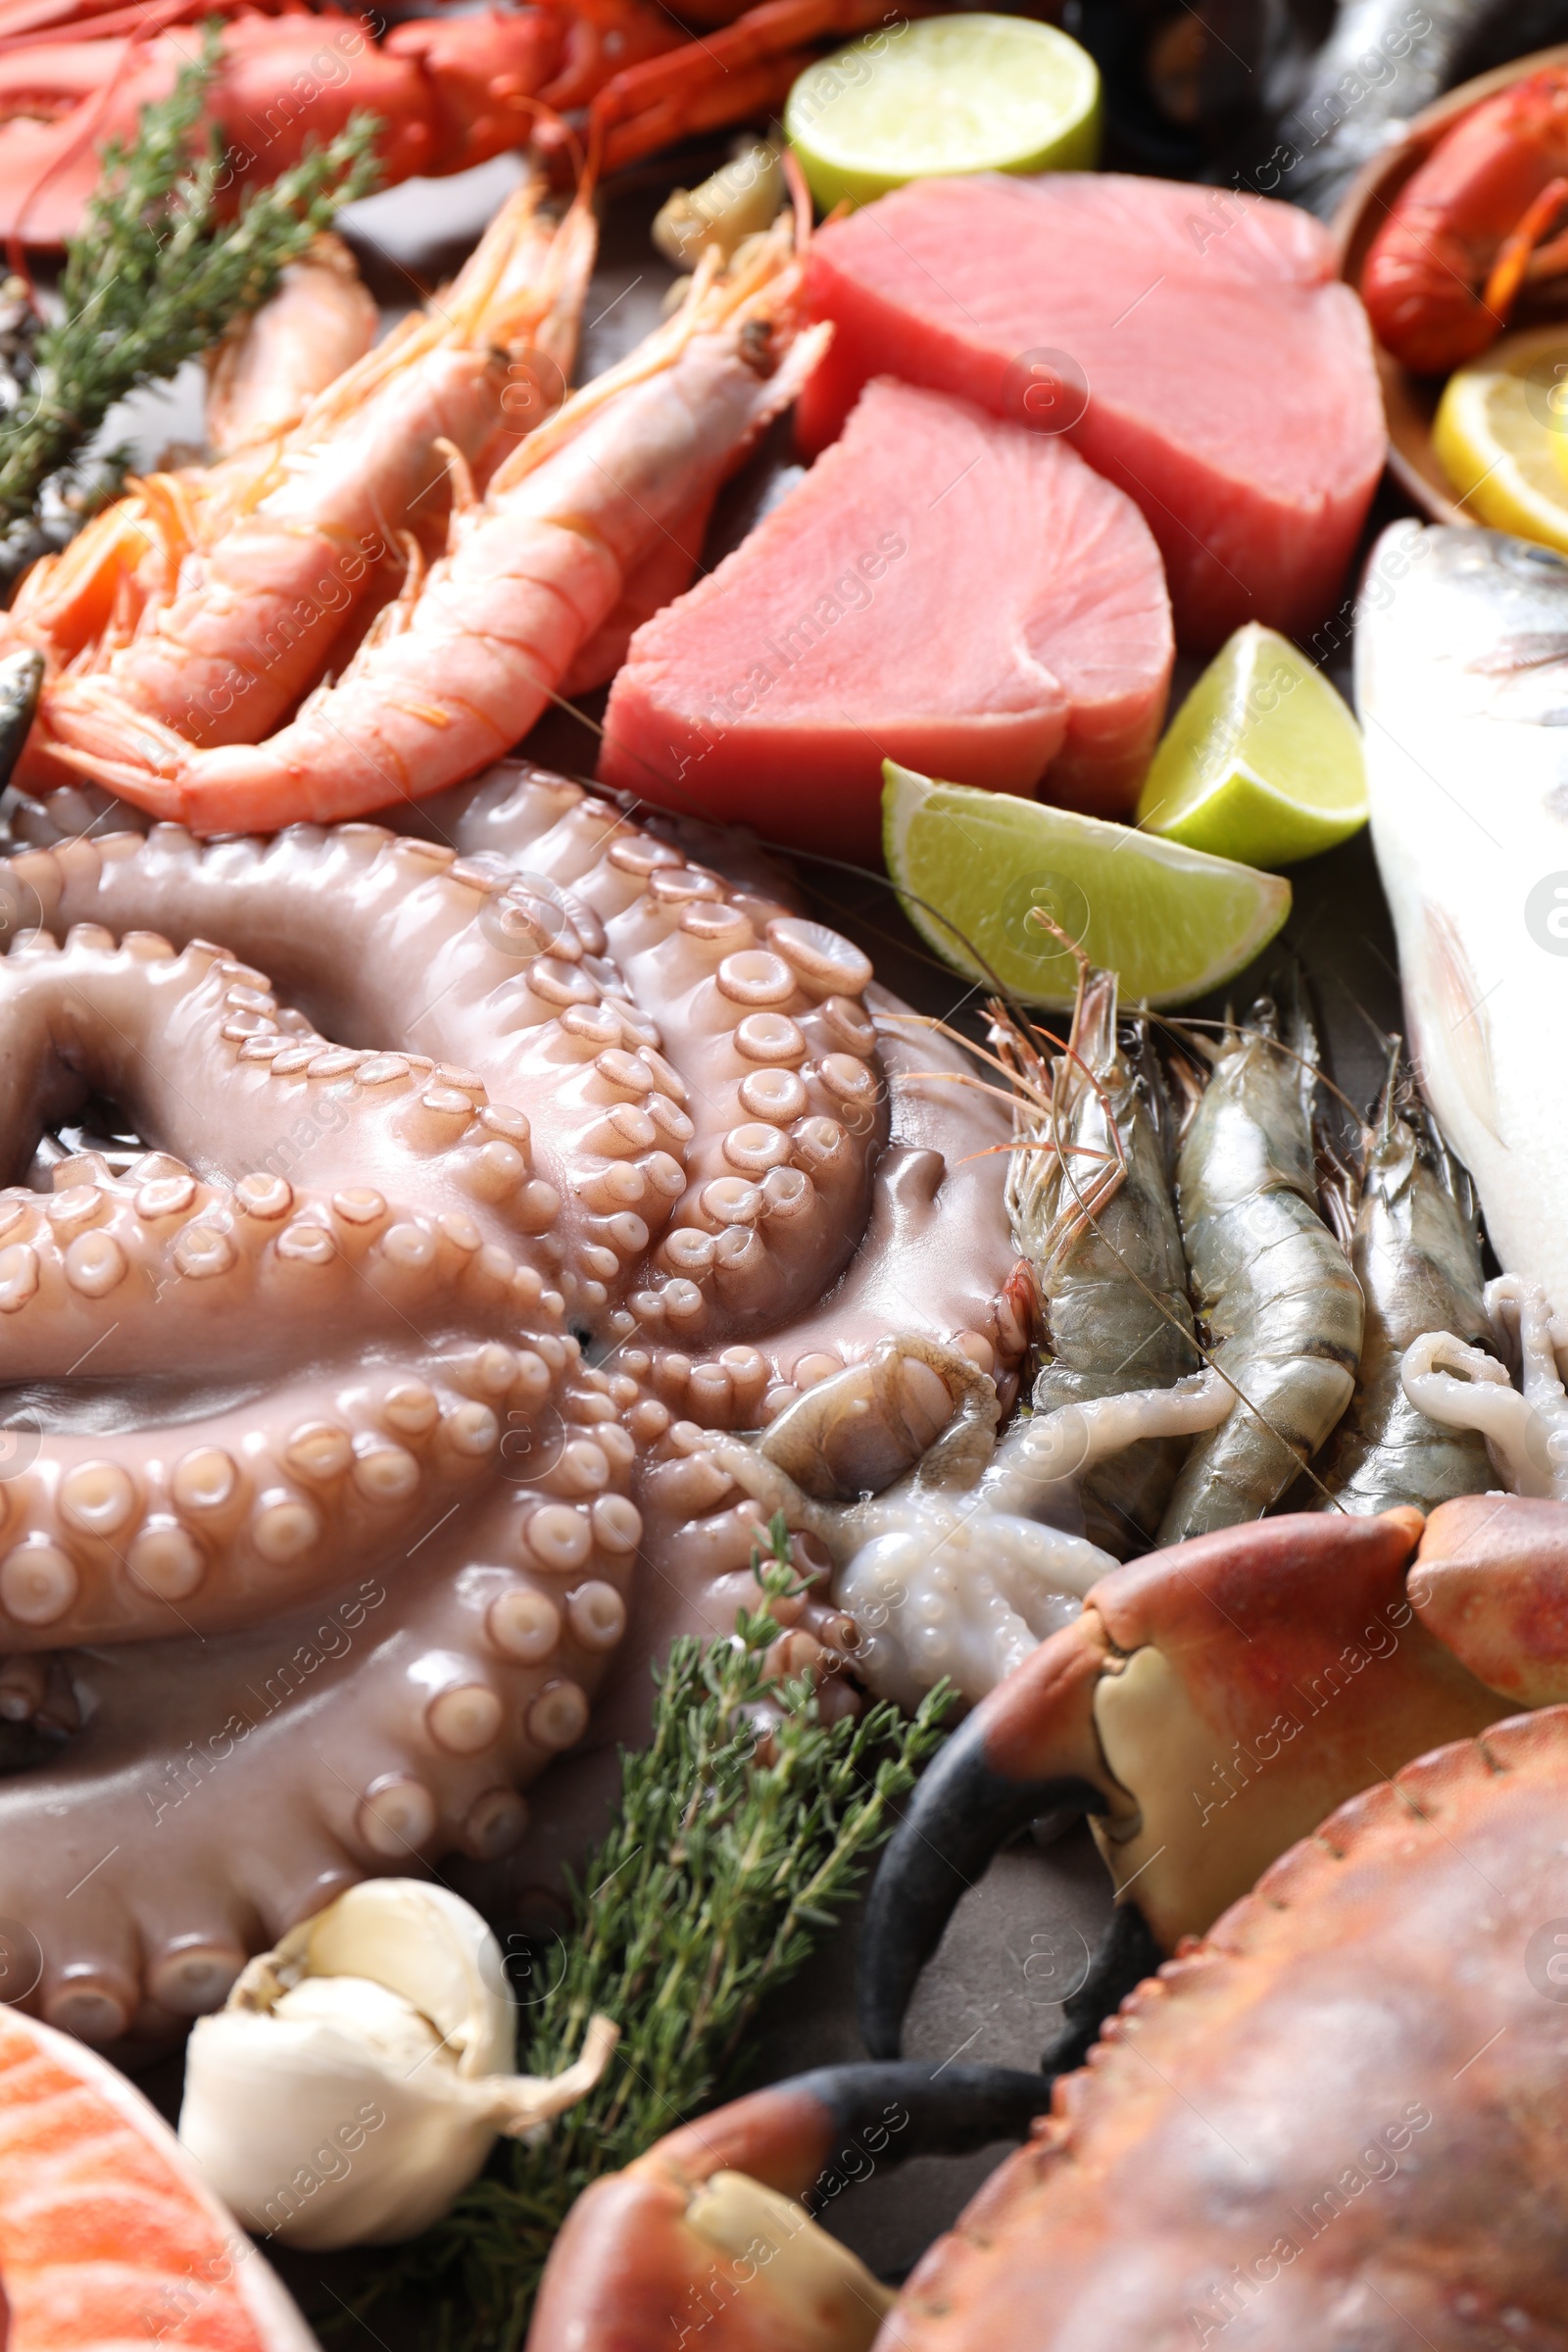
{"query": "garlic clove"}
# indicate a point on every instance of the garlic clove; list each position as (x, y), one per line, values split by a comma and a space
(358, 2076)
(389, 2025)
(736, 203)
(431, 1946)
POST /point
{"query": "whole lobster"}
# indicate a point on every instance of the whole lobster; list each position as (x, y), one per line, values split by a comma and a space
(448, 91)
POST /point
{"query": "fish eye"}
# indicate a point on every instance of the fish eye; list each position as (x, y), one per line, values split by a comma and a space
(1525, 555)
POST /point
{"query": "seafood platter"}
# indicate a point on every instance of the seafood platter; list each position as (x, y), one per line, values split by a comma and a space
(785, 1211)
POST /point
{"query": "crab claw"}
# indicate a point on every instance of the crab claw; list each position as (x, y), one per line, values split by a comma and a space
(1336, 2122)
(705, 2232)
(1213, 1703)
(1491, 1581)
(1028, 1748)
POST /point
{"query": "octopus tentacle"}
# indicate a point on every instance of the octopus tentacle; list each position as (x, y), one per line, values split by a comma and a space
(221, 1522)
(856, 1432)
(105, 1261)
(977, 1552)
(896, 1149)
(757, 1031)
(393, 1721)
(319, 1539)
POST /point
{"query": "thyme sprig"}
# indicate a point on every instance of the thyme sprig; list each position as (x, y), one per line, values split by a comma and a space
(155, 275)
(742, 1830)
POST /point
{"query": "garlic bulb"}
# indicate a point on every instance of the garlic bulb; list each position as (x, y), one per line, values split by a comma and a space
(358, 2076)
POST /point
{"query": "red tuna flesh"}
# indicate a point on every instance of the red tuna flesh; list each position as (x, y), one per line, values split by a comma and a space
(941, 589)
(1215, 366)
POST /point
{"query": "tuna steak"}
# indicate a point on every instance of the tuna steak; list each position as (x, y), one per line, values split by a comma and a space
(1196, 345)
(941, 589)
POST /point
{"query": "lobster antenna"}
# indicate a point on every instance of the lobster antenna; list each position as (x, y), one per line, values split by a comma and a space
(801, 199)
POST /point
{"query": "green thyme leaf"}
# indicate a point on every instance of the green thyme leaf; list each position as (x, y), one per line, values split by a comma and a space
(156, 276)
(743, 1829)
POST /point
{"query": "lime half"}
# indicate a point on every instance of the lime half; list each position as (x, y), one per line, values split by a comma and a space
(1262, 763)
(944, 94)
(971, 867)
(1501, 434)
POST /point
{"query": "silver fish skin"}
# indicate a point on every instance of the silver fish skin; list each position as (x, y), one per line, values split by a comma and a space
(1462, 682)
(1384, 61)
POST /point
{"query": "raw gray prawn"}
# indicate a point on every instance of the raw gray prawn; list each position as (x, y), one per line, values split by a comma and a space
(1274, 1292)
(1092, 1212)
(980, 1550)
(1416, 1252)
(1525, 1429)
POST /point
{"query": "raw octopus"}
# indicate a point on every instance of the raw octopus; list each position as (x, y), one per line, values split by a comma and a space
(370, 1380)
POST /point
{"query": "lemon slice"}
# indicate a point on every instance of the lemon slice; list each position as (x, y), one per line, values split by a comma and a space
(1262, 762)
(970, 868)
(940, 95)
(1501, 435)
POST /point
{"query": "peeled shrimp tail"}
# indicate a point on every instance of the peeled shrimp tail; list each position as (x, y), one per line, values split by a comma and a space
(1283, 1309)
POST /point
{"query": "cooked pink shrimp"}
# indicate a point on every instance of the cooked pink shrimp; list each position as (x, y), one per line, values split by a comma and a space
(458, 671)
(268, 566)
(265, 374)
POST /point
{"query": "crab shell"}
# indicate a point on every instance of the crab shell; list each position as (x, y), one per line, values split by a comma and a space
(1337, 2122)
(1216, 1700)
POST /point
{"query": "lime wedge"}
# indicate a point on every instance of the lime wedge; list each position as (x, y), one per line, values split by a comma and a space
(970, 866)
(941, 95)
(1262, 762)
(1501, 434)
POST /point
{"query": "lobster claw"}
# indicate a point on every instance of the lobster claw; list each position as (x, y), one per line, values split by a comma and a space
(703, 2235)
(1213, 1703)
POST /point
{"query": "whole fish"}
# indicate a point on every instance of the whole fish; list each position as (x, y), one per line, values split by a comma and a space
(1462, 686)
(1383, 62)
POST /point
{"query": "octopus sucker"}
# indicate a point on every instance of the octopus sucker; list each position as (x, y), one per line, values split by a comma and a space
(325, 1538)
